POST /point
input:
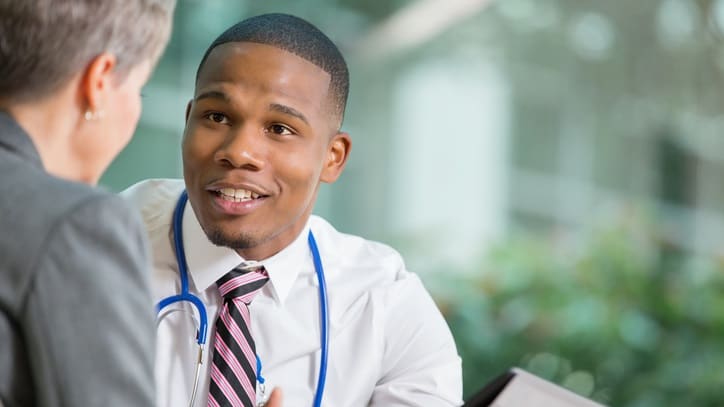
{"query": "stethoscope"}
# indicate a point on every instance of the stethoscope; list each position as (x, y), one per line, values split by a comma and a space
(185, 295)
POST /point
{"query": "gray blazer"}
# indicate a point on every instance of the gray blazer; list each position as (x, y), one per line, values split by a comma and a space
(77, 326)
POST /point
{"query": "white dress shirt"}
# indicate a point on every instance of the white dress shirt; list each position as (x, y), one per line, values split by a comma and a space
(389, 345)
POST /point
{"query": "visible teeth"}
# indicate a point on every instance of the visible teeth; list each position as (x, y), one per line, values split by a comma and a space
(237, 195)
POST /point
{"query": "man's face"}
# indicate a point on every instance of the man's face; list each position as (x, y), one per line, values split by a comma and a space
(259, 138)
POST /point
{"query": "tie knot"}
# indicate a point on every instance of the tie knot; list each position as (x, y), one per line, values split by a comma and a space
(242, 284)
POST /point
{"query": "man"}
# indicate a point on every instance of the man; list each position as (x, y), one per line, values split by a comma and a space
(262, 132)
(76, 314)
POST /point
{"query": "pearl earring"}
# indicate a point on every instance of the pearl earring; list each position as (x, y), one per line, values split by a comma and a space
(90, 115)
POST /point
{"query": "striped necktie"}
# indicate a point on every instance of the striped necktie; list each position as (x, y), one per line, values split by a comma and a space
(233, 369)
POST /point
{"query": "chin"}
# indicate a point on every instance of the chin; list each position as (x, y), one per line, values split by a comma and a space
(236, 242)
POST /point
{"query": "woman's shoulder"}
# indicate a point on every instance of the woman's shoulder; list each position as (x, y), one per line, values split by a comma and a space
(47, 215)
(39, 203)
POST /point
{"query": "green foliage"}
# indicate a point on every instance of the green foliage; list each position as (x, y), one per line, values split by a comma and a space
(619, 317)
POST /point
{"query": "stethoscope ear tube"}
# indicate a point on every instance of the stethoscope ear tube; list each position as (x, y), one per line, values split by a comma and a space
(183, 272)
(324, 317)
(199, 362)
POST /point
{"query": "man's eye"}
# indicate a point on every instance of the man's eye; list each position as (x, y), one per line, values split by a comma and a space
(217, 117)
(280, 129)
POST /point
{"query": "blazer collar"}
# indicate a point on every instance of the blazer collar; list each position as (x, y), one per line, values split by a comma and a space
(15, 139)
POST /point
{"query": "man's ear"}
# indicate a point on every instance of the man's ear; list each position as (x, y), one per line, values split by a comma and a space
(188, 109)
(96, 81)
(337, 153)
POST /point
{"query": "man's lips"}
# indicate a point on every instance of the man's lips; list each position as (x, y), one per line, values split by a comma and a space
(236, 199)
(231, 205)
(237, 194)
(237, 190)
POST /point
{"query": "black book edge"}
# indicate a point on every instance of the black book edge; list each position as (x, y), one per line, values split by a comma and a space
(487, 394)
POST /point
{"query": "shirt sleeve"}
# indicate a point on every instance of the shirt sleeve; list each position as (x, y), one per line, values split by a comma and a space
(88, 317)
(421, 366)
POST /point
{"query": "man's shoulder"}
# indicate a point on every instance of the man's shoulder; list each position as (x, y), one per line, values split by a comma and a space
(347, 251)
(155, 200)
(153, 192)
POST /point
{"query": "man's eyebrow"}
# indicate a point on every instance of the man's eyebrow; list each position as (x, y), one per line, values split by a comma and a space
(288, 110)
(212, 94)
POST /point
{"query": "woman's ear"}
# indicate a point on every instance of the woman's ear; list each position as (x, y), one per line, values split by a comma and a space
(95, 83)
(337, 153)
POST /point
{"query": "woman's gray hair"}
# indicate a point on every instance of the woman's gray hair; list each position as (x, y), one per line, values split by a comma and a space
(43, 43)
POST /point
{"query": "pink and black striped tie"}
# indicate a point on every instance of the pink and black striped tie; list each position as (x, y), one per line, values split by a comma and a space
(233, 370)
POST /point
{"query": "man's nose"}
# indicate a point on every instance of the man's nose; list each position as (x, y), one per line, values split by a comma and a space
(243, 148)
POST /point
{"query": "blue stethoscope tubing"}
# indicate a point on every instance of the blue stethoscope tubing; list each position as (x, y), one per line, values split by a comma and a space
(185, 295)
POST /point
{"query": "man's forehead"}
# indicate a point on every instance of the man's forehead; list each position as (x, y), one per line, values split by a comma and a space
(230, 55)
(262, 66)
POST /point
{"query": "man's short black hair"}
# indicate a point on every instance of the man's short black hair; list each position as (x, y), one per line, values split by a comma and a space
(299, 37)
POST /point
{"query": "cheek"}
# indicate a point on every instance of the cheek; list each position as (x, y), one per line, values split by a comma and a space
(186, 148)
(302, 172)
(129, 110)
(135, 114)
(193, 149)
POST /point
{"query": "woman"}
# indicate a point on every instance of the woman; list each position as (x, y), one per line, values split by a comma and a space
(76, 317)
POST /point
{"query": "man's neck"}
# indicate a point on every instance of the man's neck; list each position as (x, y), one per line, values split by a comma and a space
(278, 243)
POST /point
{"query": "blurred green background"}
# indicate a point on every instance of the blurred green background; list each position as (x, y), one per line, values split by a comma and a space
(552, 168)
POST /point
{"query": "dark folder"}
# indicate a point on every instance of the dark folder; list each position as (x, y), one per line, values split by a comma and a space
(518, 388)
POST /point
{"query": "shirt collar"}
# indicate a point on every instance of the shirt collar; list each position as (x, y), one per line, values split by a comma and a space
(208, 262)
(285, 266)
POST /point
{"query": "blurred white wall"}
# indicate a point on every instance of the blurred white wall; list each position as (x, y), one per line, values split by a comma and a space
(450, 144)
